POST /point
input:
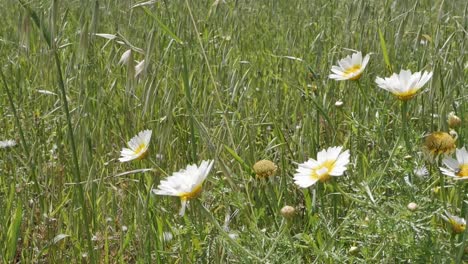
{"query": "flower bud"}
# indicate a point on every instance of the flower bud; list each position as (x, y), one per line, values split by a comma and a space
(353, 250)
(412, 206)
(453, 120)
(288, 211)
(265, 168)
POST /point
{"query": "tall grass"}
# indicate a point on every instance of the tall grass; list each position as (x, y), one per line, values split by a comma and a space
(234, 81)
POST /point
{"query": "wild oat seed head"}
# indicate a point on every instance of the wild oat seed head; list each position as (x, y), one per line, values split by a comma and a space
(349, 68)
(265, 168)
(438, 143)
(139, 68)
(7, 143)
(126, 58)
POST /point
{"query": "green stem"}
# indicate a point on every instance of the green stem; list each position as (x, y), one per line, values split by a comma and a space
(23, 139)
(225, 235)
(464, 236)
(188, 94)
(404, 120)
(76, 167)
(361, 90)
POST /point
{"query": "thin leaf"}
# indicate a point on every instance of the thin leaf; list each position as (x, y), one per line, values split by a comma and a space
(13, 232)
(161, 24)
(383, 45)
(238, 159)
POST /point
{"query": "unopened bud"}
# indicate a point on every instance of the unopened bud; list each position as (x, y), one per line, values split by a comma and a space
(453, 120)
(353, 250)
(264, 168)
(412, 206)
(288, 211)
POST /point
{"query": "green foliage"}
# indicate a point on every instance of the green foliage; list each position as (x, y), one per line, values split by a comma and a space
(238, 82)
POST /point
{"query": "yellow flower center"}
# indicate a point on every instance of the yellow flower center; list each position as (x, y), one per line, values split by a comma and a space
(190, 195)
(405, 96)
(322, 173)
(457, 227)
(139, 149)
(463, 171)
(353, 69)
(439, 143)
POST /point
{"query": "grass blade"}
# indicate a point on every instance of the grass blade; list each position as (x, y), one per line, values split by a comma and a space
(383, 46)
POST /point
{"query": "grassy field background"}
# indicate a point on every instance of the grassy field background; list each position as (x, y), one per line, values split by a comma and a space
(237, 82)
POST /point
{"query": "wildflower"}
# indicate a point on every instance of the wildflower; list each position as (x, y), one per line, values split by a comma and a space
(457, 168)
(458, 224)
(404, 85)
(186, 183)
(7, 144)
(453, 120)
(138, 147)
(265, 168)
(330, 162)
(288, 211)
(350, 68)
(438, 143)
(421, 172)
(339, 103)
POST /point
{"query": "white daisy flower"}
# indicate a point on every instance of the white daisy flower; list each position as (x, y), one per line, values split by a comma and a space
(7, 143)
(458, 224)
(330, 162)
(457, 168)
(350, 68)
(138, 147)
(186, 183)
(404, 85)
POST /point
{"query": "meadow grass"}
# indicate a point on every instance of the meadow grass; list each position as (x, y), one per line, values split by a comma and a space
(237, 82)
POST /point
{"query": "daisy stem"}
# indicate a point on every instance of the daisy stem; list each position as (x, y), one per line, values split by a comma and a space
(361, 90)
(404, 120)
